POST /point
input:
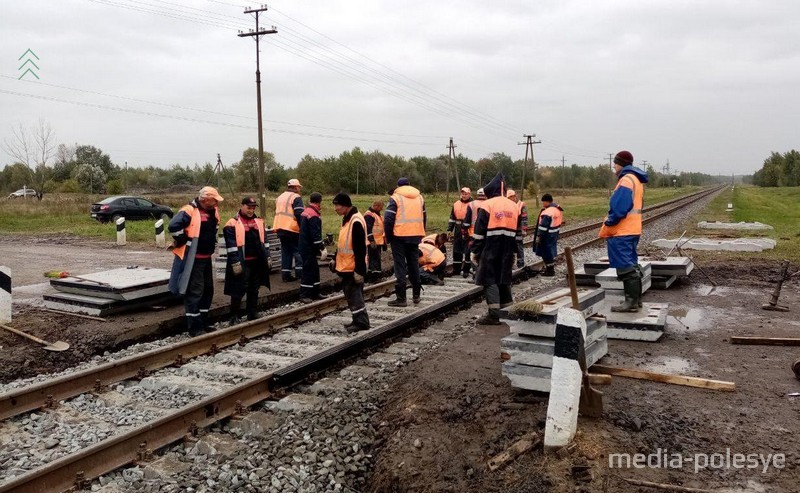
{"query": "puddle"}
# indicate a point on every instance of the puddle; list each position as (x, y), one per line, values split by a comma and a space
(671, 364)
(691, 319)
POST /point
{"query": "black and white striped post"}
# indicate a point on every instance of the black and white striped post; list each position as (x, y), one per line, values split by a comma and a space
(161, 241)
(5, 294)
(121, 237)
(565, 379)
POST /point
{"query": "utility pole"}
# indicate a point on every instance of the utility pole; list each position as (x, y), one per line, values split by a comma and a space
(529, 147)
(262, 192)
(125, 179)
(451, 155)
(611, 167)
(563, 173)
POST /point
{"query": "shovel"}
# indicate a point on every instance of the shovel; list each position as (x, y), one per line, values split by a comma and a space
(56, 346)
(591, 403)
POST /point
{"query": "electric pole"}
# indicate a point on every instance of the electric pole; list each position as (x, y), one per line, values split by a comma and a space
(529, 147)
(262, 192)
(611, 167)
(563, 173)
(451, 154)
(125, 179)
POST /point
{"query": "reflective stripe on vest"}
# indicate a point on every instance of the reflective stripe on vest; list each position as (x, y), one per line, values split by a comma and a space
(193, 230)
(503, 217)
(284, 213)
(430, 239)
(631, 224)
(345, 256)
(431, 257)
(556, 218)
(377, 228)
(238, 227)
(408, 220)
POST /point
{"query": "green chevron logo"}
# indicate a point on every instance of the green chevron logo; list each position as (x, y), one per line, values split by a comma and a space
(32, 67)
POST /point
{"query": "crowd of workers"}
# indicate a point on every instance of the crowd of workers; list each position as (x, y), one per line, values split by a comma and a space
(486, 234)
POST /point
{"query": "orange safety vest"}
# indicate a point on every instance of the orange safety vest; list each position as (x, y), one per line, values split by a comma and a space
(431, 257)
(238, 226)
(503, 217)
(193, 230)
(284, 213)
(460, 210)
(631, 224)
(557, 217)
(408, 220)
(345, 255)
(377, 228)
(474, 205)
(430, 239)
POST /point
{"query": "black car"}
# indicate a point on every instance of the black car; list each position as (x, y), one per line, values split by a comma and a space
(131, 208)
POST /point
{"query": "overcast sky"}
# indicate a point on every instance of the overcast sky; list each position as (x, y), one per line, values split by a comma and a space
(711, 86)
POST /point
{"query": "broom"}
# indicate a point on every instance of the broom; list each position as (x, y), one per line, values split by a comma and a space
(527, 308)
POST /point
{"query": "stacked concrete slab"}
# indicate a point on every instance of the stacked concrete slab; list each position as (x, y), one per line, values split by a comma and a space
(111, 291)
(663, 272)
(221, 259)
(528, 351)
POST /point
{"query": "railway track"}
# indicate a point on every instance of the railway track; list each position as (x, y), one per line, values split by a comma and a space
(161, 396)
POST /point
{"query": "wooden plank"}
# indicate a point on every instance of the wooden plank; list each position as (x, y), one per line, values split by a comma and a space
(702, 383)
(767, 341)
(597, 379)
(518, 448)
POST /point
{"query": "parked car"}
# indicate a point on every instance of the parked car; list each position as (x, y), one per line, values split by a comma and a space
(23, 192)
(131, 208)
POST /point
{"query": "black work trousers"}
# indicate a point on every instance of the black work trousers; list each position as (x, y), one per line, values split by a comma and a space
(254, 270)
(309, 277)
(290, 253)
(374, 260)
(497, 296)
(460, 252)
(199, 294)
(354, 293)
(433, 277)
(406, 264)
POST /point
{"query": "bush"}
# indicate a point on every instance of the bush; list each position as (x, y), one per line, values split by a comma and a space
(114, 187)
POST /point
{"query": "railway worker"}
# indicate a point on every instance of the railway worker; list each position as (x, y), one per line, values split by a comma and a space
(288, 208)
(311, 248)
(432, 262)
(497, 229)
(350, 262)
(548, 226)
(376, 238)
(460, 240)
(523, 215)
(194, 240)
(468, 228)
(623, 227)
(438, 240)
(404, 225)
(248, 263)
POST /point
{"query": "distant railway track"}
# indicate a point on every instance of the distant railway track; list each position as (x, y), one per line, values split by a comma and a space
(230, 370)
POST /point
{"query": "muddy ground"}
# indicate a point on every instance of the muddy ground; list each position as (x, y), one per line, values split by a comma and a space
(464, 412)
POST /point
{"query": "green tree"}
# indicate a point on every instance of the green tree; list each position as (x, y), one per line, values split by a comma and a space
(91, 178)
(87, 154)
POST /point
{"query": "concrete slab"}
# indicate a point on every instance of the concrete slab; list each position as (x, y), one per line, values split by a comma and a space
(228, 372)
(327, 386)
(280, 348)
(296, 403)
(732, 245)
(357, 371)
(538, 378)
(741, 226)
(100, 307)
(165, 469)
(584, 279)
(616, 293)
(420, 340)
(119, 284)
(256, 423)
(662, 282)
(538, 351)
(402, 349)
(253, 359)
(183, 383)
(646, 325)
(299, 337)
(220, 446)
(543, 324)
(384, 360)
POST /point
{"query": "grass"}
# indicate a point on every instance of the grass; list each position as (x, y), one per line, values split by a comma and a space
(778, 207)
(68, 214)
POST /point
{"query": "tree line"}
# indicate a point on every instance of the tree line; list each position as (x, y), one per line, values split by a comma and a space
(779, 170)
(47, 167)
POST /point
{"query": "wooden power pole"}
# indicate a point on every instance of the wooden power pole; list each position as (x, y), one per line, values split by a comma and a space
(262, 191)
(451, 155)
(529, 148)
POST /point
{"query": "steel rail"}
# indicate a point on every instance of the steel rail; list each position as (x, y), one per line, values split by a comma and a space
(76, 470)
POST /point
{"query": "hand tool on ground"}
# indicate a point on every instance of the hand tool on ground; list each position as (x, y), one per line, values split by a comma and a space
(683, 254)
(773, 305)
(676, 244)
(591, 403)
(55, 346)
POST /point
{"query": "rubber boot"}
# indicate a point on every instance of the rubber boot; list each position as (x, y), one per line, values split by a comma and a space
(641, 277)
(417, 290)
(400, 298)
(632, 286)
(549, 270)
(491, 318)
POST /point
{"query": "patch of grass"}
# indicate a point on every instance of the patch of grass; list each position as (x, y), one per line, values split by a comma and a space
(68, 214)
(778, 207)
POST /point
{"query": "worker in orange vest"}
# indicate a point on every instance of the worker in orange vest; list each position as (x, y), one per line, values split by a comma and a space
(432, 262)
(404, 225)
(460, 240)
(523, 216)
(497, 230)
(288, 209)
(311, 249)
(468, 228)
(248, 262)
(376, 238)
(623, 227)
(548, 227)
(350, 262)
(194, 241)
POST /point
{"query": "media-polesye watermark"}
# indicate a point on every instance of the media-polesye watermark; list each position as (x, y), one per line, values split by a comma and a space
(664, 459)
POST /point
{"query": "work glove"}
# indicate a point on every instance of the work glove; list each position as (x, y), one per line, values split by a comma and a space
(332, 266)
(358, 278)
(323, 254)
(236, 267)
